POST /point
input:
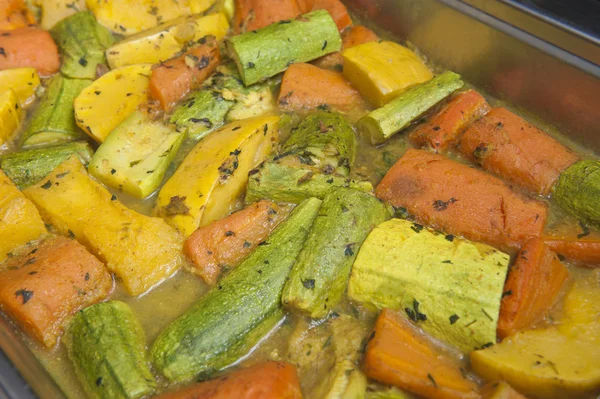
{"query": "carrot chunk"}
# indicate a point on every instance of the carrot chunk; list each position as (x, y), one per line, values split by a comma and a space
(174, 79)
(14, 14)
(532, 287)
(585, 251)
(444, 128)
(305, 87)
(269, 380)
(255, 14)
(508, 146)
(335, 8)
(223, 244)
(46, 283)
(401, 355)
(29, 47)
(460, 200)
(354, 36)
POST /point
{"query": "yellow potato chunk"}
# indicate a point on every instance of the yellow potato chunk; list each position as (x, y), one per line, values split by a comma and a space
(24, 81)
(383, 70)
(20, 221)
(10, 115)
(163, 42)
(557, 362)
(127, 17)
(104, 104)
(214, 174)
(141, 250)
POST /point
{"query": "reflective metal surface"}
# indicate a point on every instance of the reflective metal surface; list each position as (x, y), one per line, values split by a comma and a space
(505, 50)
(503, 60)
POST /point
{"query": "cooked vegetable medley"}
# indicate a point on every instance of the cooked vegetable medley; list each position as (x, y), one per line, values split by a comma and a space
(262, 199)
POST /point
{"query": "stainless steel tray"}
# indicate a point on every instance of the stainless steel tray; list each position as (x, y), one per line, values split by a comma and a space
(515, 53)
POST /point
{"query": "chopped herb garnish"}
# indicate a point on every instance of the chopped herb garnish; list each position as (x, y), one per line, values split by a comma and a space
(416, 228)
(507, 293)
(449, 237)
(440, 205)
(47, 185)
(25, 295)
(432, 380)
(229, 233)
(348, 251)
(309, 284)
(586, 231)
(454, 318)
(414, 314)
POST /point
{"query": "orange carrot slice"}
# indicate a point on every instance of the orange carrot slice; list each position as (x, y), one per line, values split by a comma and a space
(255, 14)
(401, 355)
(172, 80)
(532, 287)
(305, 87)
(47, 283)
(460, 200)
(508, 146)
(269, 380)
(29, 47)
(335, 8)
(225, 243)
(444, 128)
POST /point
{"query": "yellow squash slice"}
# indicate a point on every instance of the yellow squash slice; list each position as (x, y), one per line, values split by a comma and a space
(10, 115)
(104, 104)
(24, 81)
(208, 183)
(141, 250)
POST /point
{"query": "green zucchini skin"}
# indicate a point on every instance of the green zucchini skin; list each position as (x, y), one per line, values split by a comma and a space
(324, 139)
(53, 122)
(382, 123)
(107, 346)
(268, 51)
(28, 167)
(222, 326)
(319, 277)
(578, 190)
(202, 113)
(284, 183)
(82, 42)
(317, 156)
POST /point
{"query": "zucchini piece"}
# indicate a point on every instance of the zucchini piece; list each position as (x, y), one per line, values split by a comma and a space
(218, 329)
(10, 115)
(317, 156)
(200, 114)
(381, 70)
(82, 42)
(284, 183)
(379, 125)
(268, 51)
(54, 11)
(451, 287)
(214, 174)
(136, 155)
(107, 346)
(163, 42)
(24, 81)
(53, 121)
(28, 167)
(111, 98)
(318, 280)
(578, 189)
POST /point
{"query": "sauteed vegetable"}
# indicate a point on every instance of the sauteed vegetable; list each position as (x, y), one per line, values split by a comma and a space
(264, 199)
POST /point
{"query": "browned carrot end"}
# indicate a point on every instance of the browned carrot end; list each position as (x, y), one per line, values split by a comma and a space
(532, 287)
(508, 146)
(223, 244)
(29, 47)
(444, 128)
(335, 8)
(46, 283)
(354, 36)
(305, 87)
(401, 355)
(255, 14)
(269, 380)
(172, 80)
(14, 14)
(460, 200)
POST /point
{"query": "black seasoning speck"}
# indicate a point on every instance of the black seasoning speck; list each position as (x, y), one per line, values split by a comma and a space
(454, 318)
(309, 284)
(83, 61)
(25, 295)
(47, 185)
